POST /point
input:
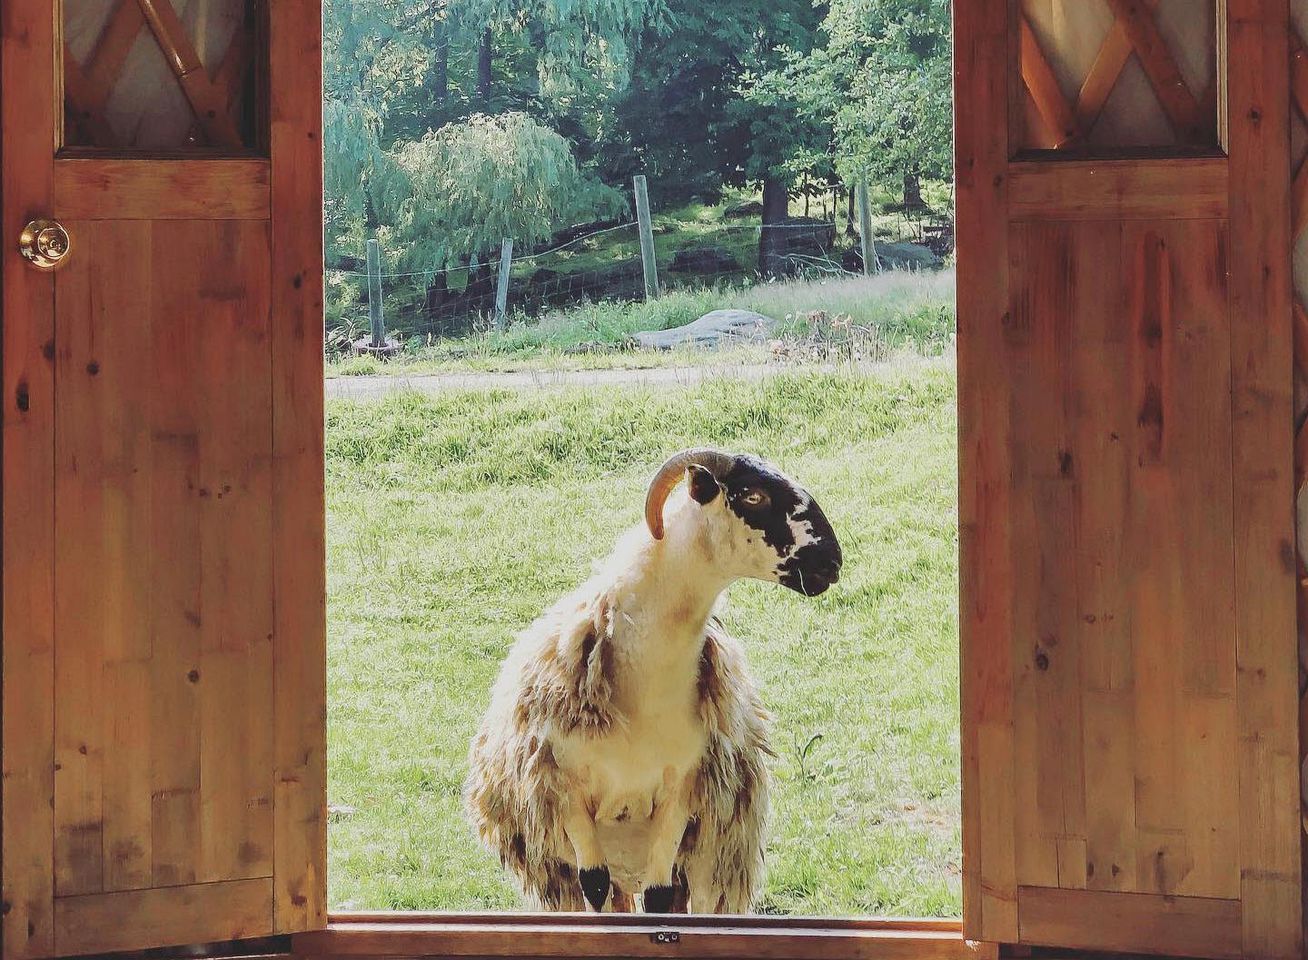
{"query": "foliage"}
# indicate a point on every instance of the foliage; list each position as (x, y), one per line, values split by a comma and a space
(454, 518)
(462, 189)
(881, 81)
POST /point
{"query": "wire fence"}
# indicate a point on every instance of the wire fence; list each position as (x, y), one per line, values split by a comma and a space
(373, 309)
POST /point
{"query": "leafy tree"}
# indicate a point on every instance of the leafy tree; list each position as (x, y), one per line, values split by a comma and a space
(883, 78)
(465, 187)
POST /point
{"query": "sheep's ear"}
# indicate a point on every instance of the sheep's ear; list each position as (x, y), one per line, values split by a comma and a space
(703, 486)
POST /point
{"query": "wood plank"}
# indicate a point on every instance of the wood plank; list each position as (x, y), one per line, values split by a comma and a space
(200, 913)
(207, 100)
(982, 62)
(27, 38)
(83, 104)
(1160, 67)
(227, 264)
(176, 614)
(1119, 190)
(80, 454)
(1261, 352)
(1108, 65)
(102, 532)
(1045, 93)
(1128, 922)
(1045, 262)
(575, 939)
(342, 919)
(299, 570)
(107, 189)
(111, 50)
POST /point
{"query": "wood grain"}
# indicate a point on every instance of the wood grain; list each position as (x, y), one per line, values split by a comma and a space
(1179, 103)
(140, 189)
(27, 416)
(1181, 926)
(208, 101)
(134, 919)
(1119, 190)
(299, 517)
(528, 938)
(1261, 357)
(1043, 86)
(983, 65)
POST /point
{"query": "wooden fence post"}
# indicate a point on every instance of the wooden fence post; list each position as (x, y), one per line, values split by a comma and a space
(502, 283)
(375, 318)
(866, 241)
(646, 237)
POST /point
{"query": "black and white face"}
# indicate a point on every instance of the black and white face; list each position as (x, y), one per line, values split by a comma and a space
(769, 526)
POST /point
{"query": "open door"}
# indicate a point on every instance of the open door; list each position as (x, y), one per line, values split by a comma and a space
(1124, 348)
(163, 556)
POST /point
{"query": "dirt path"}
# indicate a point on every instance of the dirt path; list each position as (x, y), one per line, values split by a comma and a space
(367, 388)
(372, 388)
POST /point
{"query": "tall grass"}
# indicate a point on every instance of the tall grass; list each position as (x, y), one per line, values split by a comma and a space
(905, 310)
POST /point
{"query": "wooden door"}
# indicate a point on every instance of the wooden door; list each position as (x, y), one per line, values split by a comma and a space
(1124, 349)
(163, 559)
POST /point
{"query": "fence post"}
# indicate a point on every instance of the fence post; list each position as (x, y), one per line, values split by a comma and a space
(375, 318)
(376, 344)
(866, 241)
(646, 237)
(502, 285)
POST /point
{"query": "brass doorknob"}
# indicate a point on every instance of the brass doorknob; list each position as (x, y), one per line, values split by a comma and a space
(45, 244)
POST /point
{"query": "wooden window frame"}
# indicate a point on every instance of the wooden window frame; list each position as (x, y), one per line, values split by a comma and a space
(546, 935)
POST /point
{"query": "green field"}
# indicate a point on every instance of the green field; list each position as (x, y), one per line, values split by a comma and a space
(455, 518)
(893, 311)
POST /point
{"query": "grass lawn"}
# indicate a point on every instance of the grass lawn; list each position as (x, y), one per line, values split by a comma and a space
(898, 309)
(455, 518)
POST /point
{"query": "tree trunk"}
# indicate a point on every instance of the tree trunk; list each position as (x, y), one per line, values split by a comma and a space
(913, 192)
(771, 239)
(485, 54)
(437, 294)
(850, 218)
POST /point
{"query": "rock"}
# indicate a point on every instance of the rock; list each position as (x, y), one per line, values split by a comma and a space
(744, 210)
(704, 260)
(893, 256)
(710, 330)
(807, 235)
(904, 256)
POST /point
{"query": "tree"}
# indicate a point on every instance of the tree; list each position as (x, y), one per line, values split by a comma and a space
(883, 78)
(454, 194)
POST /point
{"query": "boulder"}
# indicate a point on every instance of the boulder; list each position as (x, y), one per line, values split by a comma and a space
(894, 255)
(744, 210)
(704, 260)
(710, 330)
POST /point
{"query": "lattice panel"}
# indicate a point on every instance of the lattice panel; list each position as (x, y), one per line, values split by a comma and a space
(1109, 76)
(160, 74)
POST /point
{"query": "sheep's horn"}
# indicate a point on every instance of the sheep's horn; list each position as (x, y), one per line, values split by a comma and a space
(669, 475)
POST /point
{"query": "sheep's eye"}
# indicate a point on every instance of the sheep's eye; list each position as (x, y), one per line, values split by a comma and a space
(755, 498)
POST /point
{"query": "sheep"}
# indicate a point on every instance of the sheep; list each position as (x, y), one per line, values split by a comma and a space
(623, 750)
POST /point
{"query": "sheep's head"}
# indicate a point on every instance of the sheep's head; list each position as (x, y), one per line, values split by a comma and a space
(755, 519)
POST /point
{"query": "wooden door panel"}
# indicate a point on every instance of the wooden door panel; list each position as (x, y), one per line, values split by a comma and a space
(163, 685)
(163, 525)
(1127, 616)
(1125, 671)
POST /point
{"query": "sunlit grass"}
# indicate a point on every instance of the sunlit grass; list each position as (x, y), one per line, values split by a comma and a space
(455, 518)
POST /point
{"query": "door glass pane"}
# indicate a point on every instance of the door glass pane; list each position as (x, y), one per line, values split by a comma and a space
(1110, 77)
(162, 75)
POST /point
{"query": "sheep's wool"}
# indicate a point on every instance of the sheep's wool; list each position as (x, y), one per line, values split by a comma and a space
(558, 686)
